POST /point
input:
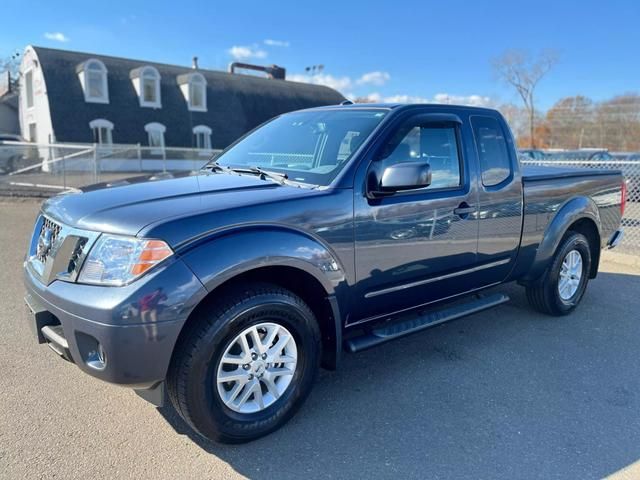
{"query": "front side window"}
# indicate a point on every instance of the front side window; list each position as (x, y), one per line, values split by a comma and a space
(310, 146)
(102, 131)
(93, 78)
(492, 150)
(28, 78)
(435, 144)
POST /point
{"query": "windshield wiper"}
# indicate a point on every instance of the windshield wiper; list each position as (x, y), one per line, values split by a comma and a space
(277, 176)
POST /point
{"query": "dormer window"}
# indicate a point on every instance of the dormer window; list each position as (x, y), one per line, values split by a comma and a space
(102, 131)
(202, 137)
(194, 89)
(146, 81)
(155, 131)
(93, 78)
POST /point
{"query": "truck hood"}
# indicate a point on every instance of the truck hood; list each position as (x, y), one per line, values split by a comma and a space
(127, 206)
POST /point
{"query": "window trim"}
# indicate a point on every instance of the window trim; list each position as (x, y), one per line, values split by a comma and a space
(156, 127)
(422, 119)
(507, 141)
(188, 85)
(139, 81)
(29, 71)
(102, 123)
(203, 129)
(84, 81)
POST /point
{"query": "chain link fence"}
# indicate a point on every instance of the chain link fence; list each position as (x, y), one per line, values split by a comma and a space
(27, 168)
(631, 171)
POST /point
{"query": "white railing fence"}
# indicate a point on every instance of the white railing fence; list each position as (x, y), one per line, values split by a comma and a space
(61, 166)
(47, 168)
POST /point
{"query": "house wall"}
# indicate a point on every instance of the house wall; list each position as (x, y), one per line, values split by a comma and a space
(39, 114)
(9, 122)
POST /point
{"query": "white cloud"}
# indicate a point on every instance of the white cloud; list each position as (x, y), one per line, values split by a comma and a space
(276, 43)
(374, 78)
(379, 78)
(56, 36)
(337, 83)
(246, 52)
(472, 100)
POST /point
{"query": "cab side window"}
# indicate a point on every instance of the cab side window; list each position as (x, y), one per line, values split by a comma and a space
(436, 145)
(492, 150)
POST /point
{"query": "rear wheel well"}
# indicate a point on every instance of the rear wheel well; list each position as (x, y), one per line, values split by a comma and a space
(299, 282)
(588, 228)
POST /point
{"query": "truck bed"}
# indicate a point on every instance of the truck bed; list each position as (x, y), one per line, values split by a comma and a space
(532, 173)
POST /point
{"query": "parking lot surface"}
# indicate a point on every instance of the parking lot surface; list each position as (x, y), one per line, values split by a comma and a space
(507, 393)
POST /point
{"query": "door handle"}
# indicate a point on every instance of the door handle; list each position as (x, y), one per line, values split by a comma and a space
(464, 209)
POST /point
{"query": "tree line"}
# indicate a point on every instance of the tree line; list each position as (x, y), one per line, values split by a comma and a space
(579, 122)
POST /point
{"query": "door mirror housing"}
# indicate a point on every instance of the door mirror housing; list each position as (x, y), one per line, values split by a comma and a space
(405, 176)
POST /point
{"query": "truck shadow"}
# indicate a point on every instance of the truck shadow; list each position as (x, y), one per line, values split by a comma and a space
(507, 393)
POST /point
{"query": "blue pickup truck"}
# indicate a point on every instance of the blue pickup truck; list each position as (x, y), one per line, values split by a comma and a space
(325, 230)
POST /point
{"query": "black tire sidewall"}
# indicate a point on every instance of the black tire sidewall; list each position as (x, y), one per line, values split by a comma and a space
(208, 413)
(574, 241)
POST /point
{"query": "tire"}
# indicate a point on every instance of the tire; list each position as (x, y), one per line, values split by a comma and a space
(192, 381)
(545, 295)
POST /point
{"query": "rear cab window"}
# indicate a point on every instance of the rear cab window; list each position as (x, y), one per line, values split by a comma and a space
(492, 150)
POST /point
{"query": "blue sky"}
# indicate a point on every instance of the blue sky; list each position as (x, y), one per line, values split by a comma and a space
(389, 50)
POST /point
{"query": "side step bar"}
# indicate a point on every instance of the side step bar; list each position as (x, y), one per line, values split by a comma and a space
(417, 323)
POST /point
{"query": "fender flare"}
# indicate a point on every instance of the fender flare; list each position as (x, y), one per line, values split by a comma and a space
(223, 255)
(575, 209)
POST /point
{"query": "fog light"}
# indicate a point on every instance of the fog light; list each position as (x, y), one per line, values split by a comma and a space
(92, 351)
(97, 358)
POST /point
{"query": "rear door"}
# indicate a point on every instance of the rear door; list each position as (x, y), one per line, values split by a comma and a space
(500, 197)
(420, 245)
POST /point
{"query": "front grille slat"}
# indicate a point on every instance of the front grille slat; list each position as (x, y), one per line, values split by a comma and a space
(55, 228)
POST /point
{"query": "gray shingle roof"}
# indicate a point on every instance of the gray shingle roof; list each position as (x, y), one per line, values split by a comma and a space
(235, 103)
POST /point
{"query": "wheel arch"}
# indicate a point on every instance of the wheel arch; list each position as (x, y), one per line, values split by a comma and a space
(286, 258)
(579, 214)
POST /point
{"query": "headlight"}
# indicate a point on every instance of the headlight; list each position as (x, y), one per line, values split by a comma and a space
(116, 260)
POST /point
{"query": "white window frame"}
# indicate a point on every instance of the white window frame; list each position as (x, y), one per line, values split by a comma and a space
(139, 86)
(155, 127)
(101, 123)
(29, 86)
(206, 131)
(33, 138)
(84, 81)
(187, 85)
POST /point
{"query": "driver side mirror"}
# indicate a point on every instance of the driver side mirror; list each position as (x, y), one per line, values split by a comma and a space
(405, 176)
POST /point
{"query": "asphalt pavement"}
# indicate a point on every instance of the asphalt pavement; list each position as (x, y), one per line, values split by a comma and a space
(507, 393)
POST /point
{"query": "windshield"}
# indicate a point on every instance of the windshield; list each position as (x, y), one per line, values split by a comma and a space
(309, 147)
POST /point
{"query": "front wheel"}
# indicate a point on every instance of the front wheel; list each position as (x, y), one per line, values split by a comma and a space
(247, 365)
(561, 287)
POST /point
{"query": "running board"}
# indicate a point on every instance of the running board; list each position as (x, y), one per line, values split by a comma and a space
(417, 323)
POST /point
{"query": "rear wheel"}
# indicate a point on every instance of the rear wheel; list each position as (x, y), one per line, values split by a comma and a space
(247, 365)
(561, 287)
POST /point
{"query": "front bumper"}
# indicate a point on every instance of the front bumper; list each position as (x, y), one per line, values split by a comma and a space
(112, 333)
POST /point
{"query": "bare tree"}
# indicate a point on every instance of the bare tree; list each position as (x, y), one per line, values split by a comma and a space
(524, 72)
(11, 64)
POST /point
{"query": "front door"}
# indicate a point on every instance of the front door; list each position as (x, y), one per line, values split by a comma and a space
(416, 246)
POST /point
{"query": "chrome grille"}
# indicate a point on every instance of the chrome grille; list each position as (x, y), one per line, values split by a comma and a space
(57, 251)
(47, 238)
